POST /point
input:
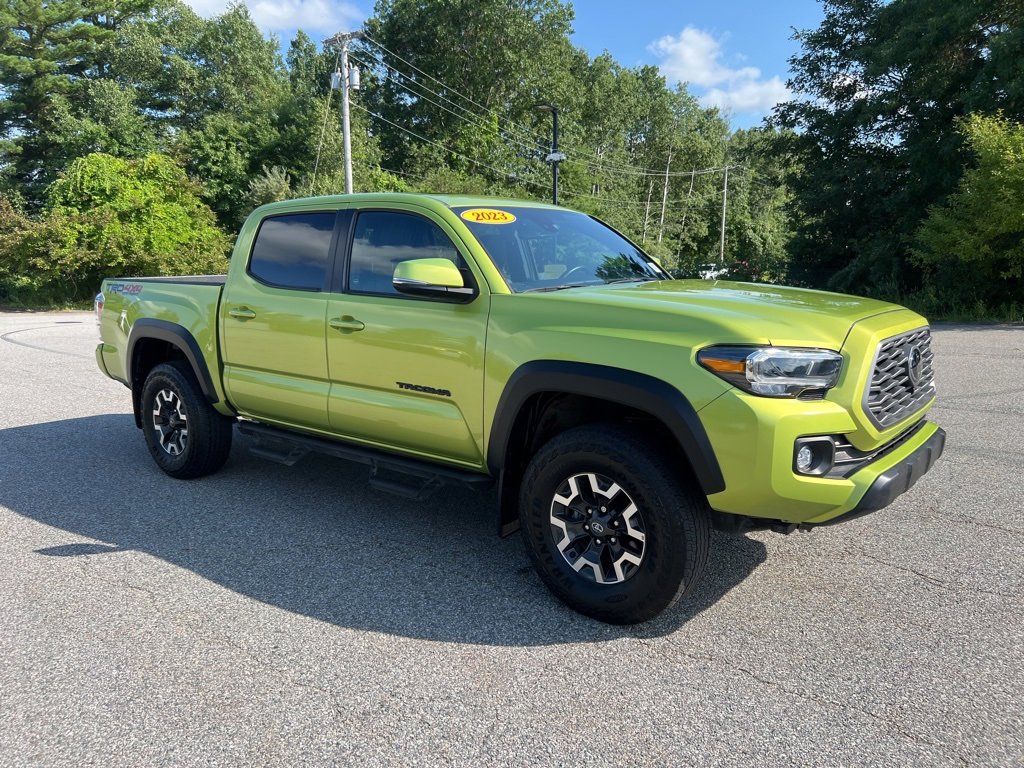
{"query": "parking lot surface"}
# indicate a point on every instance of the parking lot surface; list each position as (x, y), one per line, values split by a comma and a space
(294, 616)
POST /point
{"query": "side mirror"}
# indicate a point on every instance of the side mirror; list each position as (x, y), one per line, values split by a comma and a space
(432, 278)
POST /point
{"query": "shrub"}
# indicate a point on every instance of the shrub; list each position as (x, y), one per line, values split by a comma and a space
(109, 217)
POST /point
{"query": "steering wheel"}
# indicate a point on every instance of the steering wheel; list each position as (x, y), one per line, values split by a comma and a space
(578, 269)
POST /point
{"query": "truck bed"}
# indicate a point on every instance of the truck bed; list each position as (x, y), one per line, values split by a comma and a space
(185, 280)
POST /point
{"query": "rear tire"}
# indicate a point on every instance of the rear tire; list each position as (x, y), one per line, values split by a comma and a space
(613, 529)
(186, 437)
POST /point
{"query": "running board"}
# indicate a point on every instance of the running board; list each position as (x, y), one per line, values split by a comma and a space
(399, 475)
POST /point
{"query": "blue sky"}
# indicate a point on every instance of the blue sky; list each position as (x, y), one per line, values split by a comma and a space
(731, 52)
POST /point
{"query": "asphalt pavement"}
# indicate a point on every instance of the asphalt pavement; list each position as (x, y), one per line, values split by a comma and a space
(270, 615)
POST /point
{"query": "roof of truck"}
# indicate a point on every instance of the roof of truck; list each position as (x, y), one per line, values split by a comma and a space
(451, 201)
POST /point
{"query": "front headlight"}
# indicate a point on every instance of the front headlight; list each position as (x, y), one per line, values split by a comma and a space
(774, 371)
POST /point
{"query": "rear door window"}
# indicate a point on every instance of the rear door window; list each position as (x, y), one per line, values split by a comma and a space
(294, 250)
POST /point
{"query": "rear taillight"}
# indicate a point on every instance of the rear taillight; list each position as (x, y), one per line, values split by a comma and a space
(98, 304)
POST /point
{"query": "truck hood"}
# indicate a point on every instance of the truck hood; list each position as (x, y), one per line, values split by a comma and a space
(755, 312)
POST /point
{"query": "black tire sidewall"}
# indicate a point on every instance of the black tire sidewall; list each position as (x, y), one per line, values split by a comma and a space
(168, 376)
(670, 549)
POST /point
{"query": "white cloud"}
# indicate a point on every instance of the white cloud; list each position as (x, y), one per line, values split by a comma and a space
(327, 16)
(749, 96)
(695, 57)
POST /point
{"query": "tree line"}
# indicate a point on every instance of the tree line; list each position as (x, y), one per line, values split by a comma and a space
(135, 136)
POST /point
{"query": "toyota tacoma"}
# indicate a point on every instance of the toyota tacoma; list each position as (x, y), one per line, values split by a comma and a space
(620, 413)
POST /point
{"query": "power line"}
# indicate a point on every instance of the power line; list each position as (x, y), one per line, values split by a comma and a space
(323, 129)
(475, 120)
(531, 139)
(446, 148)
(593, 159)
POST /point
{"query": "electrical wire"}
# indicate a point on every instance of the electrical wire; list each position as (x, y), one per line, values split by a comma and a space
(323, 130)
(475, 121)
(504, 173)
(593, 159)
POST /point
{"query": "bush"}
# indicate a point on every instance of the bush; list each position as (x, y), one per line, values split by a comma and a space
(108, 217)
(14, 227)
(972, 246)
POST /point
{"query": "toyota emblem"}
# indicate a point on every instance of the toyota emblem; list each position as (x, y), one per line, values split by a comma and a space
(914, 360)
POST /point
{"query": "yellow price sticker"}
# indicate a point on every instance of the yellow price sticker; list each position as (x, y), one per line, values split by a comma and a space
(488, 216)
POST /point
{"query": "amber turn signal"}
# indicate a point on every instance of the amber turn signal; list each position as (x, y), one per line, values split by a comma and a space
(721, 365)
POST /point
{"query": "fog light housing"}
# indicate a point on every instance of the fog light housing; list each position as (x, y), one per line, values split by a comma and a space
(814, 456)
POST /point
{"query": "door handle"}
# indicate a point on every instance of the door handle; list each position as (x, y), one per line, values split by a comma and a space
(242, 313)
(346, 323)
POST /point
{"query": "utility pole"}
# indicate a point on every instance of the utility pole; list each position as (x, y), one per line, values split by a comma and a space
(343, 39)
(725, 197)
(554, 157)
(647, 211)
(686, 210)
(664, 197)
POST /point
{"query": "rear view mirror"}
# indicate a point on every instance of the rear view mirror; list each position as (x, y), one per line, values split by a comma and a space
(433, 278)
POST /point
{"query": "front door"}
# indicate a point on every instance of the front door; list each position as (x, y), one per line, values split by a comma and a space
(406, 372)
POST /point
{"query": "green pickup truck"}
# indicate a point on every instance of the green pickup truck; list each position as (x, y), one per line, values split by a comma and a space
(452, 340)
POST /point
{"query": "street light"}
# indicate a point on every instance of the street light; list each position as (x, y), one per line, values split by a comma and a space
(554, 157)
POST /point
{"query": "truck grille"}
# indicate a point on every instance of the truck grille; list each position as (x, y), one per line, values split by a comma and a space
(902, 379)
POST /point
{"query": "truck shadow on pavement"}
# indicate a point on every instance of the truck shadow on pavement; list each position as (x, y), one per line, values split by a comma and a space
(313, 539)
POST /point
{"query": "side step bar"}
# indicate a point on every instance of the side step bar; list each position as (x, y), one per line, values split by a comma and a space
(400, 475)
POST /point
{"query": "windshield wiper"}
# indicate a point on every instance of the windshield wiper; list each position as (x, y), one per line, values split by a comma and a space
(547, 288)
(634, 279)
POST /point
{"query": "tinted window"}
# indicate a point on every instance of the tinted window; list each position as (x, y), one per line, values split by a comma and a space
(384, 239)
(293, 251)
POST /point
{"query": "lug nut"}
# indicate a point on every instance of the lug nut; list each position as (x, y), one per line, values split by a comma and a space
(598, 541)
(586, 527)
(604, 509)
(613, 539)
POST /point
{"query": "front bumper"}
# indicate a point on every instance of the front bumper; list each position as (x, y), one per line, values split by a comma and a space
(753, 439)
(897, 480)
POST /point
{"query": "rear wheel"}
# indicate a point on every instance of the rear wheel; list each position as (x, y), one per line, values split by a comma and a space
(186, 437)
(609, 525)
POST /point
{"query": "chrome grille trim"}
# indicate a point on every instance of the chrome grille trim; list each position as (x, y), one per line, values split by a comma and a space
(891, 395)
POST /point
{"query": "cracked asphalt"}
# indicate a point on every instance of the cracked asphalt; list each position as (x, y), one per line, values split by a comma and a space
(294, 616)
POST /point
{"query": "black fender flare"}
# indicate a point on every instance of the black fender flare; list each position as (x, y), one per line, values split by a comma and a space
(636, 390)
(180, 337)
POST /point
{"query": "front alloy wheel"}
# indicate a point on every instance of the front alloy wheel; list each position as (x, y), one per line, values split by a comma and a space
(598, 528)
(614, 526)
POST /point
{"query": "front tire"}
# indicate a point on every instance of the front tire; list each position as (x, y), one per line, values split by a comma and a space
(186, 437)
(610, 526)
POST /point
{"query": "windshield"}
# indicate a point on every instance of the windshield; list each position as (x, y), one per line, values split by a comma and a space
(546, 249)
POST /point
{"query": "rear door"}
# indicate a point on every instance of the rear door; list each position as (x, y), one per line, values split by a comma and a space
(406, 372)
(273, 318)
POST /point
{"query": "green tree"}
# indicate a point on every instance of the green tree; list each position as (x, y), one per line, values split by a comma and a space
(272, 185)
(972, 245)
(758, 221)
(212, 89)
(48, 50)
(492, 62)
(104, 118)
(108, 217)
(879, 86)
